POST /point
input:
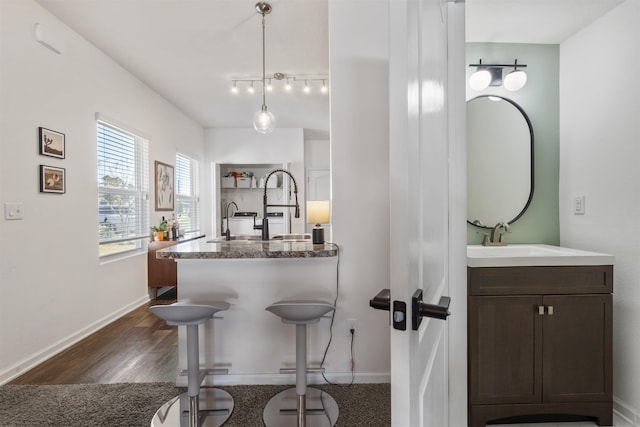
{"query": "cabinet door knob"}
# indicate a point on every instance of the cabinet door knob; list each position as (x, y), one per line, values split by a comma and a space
(541, 310)
(550, 310)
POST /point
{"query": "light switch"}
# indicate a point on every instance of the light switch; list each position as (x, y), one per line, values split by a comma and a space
(578, 205)
(13, 210)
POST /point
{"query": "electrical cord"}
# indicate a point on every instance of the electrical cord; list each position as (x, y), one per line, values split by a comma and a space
(333, 316)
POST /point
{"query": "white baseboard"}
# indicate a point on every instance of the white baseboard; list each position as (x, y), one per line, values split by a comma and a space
(628, 416)
(278, 379)
(46, 353)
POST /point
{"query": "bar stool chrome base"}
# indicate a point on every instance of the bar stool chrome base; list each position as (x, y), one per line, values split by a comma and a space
(216, 406)
(321, 410)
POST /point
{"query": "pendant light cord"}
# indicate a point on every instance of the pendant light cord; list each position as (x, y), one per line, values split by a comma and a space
(264, 102)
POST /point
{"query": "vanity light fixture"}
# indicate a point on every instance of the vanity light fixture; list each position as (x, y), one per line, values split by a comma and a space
(306, 87)
(324, 88)
(491, 75)
(234, 88)
(263, 120)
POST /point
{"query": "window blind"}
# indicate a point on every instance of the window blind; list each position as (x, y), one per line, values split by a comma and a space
(123, 189)
(187, 193)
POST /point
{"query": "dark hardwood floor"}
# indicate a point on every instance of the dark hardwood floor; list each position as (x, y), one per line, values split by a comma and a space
(138, 347)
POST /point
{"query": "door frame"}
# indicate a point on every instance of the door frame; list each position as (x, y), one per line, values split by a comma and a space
(457, 216)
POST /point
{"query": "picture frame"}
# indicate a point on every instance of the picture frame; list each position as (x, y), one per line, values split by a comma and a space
(51, 143)
(52, 179)
(164, 178)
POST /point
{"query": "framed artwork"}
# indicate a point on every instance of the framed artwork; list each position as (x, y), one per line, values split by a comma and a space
(164, 187)
(51, 143)
(52, 179)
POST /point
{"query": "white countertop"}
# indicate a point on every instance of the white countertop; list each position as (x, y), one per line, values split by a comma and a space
(519, 255)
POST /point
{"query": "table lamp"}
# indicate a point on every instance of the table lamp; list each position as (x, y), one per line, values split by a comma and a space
(318, 212)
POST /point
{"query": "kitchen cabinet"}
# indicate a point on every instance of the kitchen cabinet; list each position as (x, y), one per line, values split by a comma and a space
(160, 272)
(539, 343)
(247, 193)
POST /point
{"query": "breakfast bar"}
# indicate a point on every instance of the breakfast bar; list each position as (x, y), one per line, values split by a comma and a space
(250, 275)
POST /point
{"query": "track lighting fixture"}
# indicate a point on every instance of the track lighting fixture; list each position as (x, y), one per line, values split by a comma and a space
(309, 82)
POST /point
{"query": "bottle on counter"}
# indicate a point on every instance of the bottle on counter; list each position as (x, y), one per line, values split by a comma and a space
(174, 227)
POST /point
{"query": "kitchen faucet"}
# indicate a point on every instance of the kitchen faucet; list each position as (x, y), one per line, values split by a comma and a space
(265, 222)
(227, 233)
(496, 238)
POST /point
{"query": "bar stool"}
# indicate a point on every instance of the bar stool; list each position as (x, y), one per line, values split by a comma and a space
(301, 406)
(209, 407)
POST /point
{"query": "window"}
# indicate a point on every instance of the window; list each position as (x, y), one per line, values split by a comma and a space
(123, 189)
(187, 194)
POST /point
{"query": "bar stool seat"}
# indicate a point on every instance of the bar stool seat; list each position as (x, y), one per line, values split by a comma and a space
(301, 406)
(209, 407)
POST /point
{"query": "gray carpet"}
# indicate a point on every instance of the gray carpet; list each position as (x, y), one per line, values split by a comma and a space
(133, 404)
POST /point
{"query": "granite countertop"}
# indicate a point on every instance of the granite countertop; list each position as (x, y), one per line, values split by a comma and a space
(247, 249)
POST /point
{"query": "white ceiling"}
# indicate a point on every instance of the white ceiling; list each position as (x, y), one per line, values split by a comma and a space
(531, 21)
(189, 51)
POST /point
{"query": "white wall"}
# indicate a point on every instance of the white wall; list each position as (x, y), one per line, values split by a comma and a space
(358, 53)
(245, 145)
(53, 287)
(599, 152)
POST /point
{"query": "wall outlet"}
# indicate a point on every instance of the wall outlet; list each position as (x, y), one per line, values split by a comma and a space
(352, 324)
(13, 210)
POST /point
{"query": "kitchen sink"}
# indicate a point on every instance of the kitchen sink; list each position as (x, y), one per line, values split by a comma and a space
(287, 238)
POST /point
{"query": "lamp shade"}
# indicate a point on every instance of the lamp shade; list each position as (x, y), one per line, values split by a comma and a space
(318, 211)
(515, 80)
(480, 80)
(263, 120)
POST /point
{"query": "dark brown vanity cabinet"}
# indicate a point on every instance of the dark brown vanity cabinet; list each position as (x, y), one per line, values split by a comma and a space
(539, 342)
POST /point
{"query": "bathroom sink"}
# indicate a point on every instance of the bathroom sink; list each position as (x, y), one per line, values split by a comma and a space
(532, 255)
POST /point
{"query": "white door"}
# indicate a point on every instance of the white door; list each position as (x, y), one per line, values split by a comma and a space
(421, 188)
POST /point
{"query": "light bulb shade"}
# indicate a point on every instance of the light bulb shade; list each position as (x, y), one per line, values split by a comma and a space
(480, 80)
(515, 80)
(318, 211)
(264, 121)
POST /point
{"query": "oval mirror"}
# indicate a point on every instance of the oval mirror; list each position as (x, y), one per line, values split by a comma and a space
(499, 161)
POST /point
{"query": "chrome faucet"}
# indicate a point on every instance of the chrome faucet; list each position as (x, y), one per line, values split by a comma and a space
(496, 238)
(227, 233)
(265, 222)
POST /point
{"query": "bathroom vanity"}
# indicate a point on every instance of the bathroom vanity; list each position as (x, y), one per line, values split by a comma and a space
(539, 334)
(251, 274)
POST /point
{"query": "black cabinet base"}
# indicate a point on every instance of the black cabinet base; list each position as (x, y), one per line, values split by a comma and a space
(600, 412)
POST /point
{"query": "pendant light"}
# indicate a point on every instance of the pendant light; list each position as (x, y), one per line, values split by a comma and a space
(263, 120)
